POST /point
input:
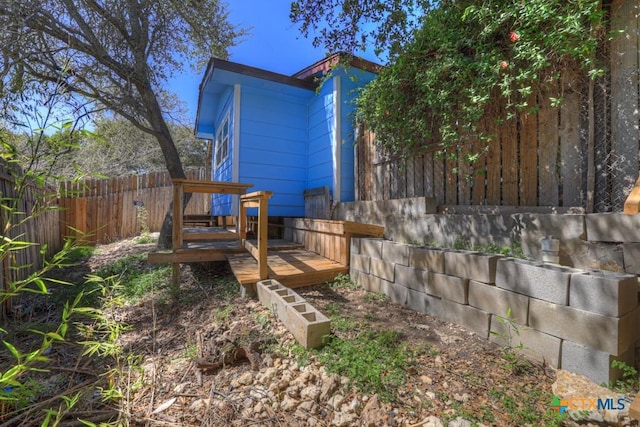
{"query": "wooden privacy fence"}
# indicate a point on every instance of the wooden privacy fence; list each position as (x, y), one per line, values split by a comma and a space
(106, 210)
(582, 153)
(28, 217)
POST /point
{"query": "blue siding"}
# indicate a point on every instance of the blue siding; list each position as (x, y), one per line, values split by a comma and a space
(286, 138)
(321, 122)
(273, 147)
(351, 80)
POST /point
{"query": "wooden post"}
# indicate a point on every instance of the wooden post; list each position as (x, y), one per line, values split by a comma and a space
(178, 200)
(263, 230)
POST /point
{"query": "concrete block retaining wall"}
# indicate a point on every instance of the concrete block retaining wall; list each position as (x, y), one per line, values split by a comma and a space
(573, 319)
(607, 241)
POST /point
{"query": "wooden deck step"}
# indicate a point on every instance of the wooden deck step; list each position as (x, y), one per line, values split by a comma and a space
(292, 267)
(208, 233)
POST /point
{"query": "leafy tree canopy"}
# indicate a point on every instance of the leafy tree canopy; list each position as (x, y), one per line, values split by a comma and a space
(470, 56)
(116, 54)
(352, 25)
(113, 148)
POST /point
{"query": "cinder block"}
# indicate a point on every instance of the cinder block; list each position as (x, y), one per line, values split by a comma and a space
(371, 247)
(535, 344)
(594, 364)
(413, 278)
(430, 259)
(604, 292)
(354, 248)
(466, 316)
(396, 293)
(308, 325)
(360, 263)
(613, 335)
(397, 253)
(265, 289)
(448, 287)
(383, 269)
(471, 265)
(499, 301)
(613, 227)
(631, 254)
(372, 283)
(280, 299)
(423, 303)
(547, 282)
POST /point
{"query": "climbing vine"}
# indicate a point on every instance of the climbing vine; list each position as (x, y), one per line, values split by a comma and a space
(473, 55)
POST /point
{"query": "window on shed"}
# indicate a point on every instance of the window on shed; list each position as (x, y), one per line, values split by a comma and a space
(222, 141)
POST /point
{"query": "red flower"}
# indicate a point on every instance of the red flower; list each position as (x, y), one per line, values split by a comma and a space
(504, 65)
(514, 37)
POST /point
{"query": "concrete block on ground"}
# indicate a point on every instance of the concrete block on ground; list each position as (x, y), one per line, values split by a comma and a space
(430, 259)
(396, 293)
(605, 292)
(594, 364)
(464, 315)
(280, 299)
(448, 287)
(265, 289)
(535, 344)
(413, 278)
(397, 253)
(613, 227)
(384, 270)
(499, 301)
(308, 325)
(613, 335)
(547, 282)
(471, 265)
(424, 303)
(371, 247)
(631, 253)
(305, 322)
(360, 263)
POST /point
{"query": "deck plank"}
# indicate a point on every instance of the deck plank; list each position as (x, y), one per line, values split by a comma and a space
(293, 268)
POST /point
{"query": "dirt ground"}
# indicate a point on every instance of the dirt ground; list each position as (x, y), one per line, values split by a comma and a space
(454, 377)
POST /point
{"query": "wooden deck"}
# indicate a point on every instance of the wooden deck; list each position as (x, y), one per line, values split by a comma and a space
(320, 254)
(291, 267)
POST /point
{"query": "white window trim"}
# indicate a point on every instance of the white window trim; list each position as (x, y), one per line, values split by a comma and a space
(219, 160)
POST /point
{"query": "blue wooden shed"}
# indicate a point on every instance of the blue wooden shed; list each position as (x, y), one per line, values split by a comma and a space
(281, 133)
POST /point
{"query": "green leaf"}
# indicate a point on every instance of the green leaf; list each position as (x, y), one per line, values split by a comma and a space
(14, 351)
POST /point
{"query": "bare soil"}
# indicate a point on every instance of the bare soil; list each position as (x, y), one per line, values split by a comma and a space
(456, 373)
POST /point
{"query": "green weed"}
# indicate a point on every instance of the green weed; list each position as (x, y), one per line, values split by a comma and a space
(511, 353)
(376, 362)
(377, 298)
(630, 380)
(144, 239)
(222, 315)
(137, 277)
(343, 281)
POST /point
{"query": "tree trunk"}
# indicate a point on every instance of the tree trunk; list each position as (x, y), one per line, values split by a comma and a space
(171, 157)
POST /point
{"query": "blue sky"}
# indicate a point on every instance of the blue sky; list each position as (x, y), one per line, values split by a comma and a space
(274, 44)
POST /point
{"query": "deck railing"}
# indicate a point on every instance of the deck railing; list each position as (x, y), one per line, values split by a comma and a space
(182, 186)
(260, 200)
